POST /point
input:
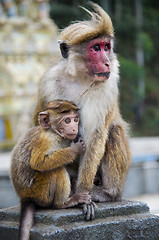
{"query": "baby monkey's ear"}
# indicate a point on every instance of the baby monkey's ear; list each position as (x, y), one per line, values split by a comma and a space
(44, 119)
(64, 48)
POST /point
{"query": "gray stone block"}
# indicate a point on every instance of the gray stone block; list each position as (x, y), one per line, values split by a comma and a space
(115, 221)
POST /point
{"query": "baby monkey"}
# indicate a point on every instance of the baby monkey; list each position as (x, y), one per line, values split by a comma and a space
(38, 166)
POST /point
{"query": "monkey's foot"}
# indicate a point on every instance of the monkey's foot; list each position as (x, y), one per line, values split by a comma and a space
(100, 194)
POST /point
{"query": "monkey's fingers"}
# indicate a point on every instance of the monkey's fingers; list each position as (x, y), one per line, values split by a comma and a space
(89, 211)
(83, 147)
(82, 144)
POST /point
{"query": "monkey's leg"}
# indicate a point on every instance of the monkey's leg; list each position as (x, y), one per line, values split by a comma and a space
(63, 187)
(99, 194)
(42, 189)
(63, 190)
(115, 163)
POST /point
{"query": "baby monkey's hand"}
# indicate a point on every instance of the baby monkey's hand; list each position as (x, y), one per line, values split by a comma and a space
(78, 146)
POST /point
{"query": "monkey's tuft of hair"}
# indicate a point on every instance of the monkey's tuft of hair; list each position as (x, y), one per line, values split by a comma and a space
(99, 24)
(62, 106)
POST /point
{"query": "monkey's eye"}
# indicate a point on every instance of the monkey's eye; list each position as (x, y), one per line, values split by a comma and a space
(96, 47)
(67, 120)
(76, 119)
(106, 48)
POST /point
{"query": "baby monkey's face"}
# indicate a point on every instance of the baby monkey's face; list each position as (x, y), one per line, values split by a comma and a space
(68, 125)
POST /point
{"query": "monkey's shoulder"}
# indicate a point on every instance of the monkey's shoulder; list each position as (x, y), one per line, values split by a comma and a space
(45, 142)
(25, 144)
(24, 141)
(55, 141)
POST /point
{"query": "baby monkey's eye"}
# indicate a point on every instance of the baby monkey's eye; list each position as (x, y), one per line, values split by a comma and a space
(67, 120)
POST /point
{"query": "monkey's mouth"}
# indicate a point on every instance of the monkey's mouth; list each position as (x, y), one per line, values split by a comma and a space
(71, 136)
(103, 75)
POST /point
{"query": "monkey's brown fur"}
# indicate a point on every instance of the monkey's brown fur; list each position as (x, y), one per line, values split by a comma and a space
(38, 163)
(102, 127)
(38, 166)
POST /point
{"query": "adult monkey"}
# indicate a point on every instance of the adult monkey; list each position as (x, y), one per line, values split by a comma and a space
(88, 76)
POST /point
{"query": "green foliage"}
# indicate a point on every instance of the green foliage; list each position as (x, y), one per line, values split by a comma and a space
(132, 99)
(148, 45)
(63, 14)
(129, 94)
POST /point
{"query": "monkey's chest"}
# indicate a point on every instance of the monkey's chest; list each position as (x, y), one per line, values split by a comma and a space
(72, 91)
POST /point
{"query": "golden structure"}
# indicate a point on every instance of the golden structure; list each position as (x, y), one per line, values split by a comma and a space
(27, 45)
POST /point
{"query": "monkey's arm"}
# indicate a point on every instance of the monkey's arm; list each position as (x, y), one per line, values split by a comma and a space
(91, 160)
(88, 168)
(44, 161)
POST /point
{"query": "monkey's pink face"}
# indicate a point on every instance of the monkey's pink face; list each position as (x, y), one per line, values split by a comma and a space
(97, 57)
(69, 126)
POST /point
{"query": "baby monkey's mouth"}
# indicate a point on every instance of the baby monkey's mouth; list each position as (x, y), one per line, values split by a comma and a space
(71, 136)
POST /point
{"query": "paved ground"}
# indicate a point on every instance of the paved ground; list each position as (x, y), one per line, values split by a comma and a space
(147, 147)
(151, 199)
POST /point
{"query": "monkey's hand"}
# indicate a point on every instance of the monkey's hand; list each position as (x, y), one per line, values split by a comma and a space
(81, 198)
(79, 146)
(89, 210)
(76, 199)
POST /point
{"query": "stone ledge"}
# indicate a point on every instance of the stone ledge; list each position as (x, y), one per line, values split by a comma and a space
(114, 221)
(65, 216)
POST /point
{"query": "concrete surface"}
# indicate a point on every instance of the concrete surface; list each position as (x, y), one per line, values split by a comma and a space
(114, 221)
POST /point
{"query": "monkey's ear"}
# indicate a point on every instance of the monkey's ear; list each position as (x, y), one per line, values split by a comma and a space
(44, 119)
(64, 47)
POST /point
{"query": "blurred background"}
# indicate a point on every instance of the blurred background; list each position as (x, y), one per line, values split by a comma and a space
(28, 46)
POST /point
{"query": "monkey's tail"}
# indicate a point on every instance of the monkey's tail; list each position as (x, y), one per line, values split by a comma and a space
(26, 220)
